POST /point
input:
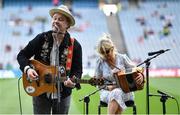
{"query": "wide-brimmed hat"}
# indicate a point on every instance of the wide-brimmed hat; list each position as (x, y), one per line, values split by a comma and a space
(62, 9)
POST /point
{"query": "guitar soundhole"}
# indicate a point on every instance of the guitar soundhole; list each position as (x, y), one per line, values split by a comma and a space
(48, 78)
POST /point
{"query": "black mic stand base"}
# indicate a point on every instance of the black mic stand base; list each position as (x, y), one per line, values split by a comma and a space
(87, 99)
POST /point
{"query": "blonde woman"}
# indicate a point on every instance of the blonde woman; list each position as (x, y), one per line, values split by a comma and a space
(108, 59)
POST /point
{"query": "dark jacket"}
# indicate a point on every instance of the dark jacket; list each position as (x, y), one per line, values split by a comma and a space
(40, 47)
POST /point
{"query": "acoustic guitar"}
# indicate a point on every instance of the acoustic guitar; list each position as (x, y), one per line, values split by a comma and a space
(46, 81)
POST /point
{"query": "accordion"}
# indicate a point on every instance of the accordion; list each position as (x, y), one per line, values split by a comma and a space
(126, 79)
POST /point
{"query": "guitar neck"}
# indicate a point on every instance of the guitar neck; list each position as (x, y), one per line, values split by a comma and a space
(82, 81)
(91, 81)
(62, 79)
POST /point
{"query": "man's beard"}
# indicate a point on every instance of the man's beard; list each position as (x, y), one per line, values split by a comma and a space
(57, 30)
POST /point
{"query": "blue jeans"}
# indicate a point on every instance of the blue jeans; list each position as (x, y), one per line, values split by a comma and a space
(45, 105)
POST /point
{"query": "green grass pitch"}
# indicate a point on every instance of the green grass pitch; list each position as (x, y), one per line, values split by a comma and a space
(9, 100)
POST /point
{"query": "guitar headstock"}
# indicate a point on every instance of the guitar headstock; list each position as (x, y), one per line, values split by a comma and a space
(96, 81)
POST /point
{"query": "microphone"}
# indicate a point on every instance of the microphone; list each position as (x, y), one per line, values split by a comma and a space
(164, 94)
(157, 52)
(56, 29)
(58, 32)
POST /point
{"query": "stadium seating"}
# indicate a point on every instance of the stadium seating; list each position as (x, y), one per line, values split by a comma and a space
(22, 22)
(152, 13)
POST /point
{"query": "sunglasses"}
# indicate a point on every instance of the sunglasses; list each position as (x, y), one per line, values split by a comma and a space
(108, 50)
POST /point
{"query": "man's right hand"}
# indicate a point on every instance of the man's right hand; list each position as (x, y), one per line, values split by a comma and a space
(32, 74)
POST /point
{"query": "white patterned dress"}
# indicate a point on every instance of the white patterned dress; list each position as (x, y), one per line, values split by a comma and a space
(104, 70)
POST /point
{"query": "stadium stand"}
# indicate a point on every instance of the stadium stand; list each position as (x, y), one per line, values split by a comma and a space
(143, 29)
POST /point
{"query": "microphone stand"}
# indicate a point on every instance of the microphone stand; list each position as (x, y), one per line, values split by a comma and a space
(87, 99)
(147, 64)
(59, 85)
(163, 100)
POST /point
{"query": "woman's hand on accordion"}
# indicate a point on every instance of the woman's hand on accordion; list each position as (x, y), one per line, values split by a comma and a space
(140, 79)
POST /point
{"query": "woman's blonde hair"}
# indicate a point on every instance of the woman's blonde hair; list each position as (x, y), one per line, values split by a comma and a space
(104, 43)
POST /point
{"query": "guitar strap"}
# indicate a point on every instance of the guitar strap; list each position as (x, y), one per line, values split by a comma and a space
(69, 57)
(69, 62)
